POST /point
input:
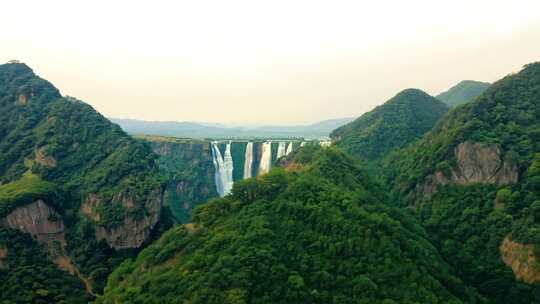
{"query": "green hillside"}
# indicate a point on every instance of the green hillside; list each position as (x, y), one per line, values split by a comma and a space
(475, 181)
(61, 151)
(462, 92)
(399, 121)
(318, 232)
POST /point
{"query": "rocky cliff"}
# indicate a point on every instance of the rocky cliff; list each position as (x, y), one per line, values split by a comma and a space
(133, 229)
(522, 260)
(45, 226)
(474, 163)
(189, 170)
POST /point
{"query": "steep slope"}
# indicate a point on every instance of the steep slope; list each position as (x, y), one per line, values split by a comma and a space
(463, 92)
(72, 180)
(475, 181)
(189, 172)
(318, 232)
(399, 121)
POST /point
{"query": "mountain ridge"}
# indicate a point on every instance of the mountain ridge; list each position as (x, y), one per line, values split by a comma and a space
(203, 130)
(392, 125)
(463, 92)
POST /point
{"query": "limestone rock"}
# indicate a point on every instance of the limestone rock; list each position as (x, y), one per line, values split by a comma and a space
(521, 258)
(132, 233)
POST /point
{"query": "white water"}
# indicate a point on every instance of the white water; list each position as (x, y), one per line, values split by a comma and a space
(223, 168)
(289, 148)
(280, 150)
(248, 163)
(303, 144)
(325, 143)
(266, 157)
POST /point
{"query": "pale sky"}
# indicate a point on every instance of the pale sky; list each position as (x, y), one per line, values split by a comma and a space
(264, 61)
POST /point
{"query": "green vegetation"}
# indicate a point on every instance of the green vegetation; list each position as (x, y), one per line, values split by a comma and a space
(28, 188)
(60, 149)
(189, 172)
(321, 234)
(463, 92)
(28, 276)
(469, 222)
(400, 121)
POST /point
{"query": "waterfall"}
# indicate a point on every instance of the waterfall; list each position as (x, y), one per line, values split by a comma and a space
(228, 169)
(303, 144)
(289, 148)
(280, 150)
(223, 168)
(266, 157)
(249, 160)
(325, 143)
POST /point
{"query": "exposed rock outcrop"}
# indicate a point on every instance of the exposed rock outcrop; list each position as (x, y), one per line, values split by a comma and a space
(22, 99)
(3, 255)
(37, 219)
(475, 163)
(479, 163)
(521, 258)
(45, 225)
(132, 232)
(43, 159)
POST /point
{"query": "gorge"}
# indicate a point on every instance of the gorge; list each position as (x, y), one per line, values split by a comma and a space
(198, 170)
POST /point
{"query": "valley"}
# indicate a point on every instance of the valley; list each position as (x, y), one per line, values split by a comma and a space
(419, 200)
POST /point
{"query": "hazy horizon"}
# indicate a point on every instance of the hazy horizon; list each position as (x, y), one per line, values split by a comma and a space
(274, 63)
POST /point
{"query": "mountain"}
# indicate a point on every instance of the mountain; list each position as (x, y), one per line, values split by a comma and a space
(399, 121)
(475, 183)
(463, 92)
(318, 231)
(77, 194)
(216, 131)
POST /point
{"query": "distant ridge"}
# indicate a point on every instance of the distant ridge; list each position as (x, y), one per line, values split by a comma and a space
(463, 92)
(204, 130)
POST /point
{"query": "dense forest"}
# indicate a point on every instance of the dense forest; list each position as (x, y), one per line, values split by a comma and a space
(475, 183)
(61, 151)
(319, 231)
(450, 215)
(462, 92)
(399, 121)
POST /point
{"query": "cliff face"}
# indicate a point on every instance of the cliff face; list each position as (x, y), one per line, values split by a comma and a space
(45, 225)
(521, 258)
(479, 163)
(3, 255)
(188, 167)
(475, 163)
(133, 230)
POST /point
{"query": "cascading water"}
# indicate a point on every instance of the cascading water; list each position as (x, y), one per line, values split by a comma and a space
(223, 168)
(266, 157)
(302, 144)
(228, 169)
(280, 150)
(248, 163)
(289, 148)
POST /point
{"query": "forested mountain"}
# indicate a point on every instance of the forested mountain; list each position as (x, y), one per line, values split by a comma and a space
(84, 190)
(475, 182)
(463, 92)
(318, 231)
(200, 131)
(399, 121)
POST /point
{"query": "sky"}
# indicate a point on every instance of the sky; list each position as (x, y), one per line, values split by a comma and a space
(264, 62)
